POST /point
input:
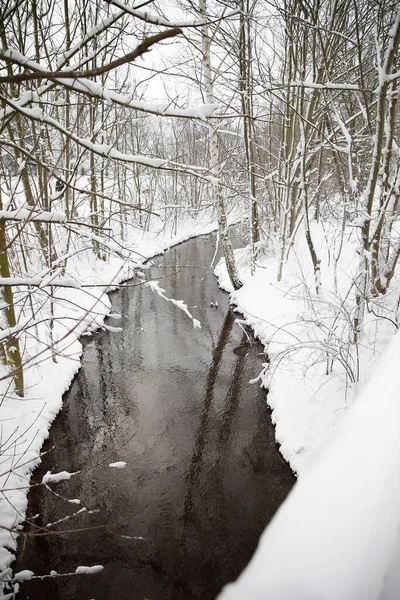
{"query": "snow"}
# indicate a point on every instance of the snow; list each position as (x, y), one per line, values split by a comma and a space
(202, 111)
(54, 477)
(89, 570)
(94, 31)
(153, 285)
(156, 19)
(336, 411)
(327, 85)
(303, 335)
(107, 150)
(25, 214)
(24, 575)
(337, 534)
(311, 371)
(40, 282)
(112, 329)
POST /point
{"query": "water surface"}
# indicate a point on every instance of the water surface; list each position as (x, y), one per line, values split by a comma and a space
(203, 474)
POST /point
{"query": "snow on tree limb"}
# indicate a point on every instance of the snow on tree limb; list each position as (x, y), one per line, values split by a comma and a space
(154, 19)
(25, 214)
(55, 477)
(141, 49)
(153, 285)
(107, 150)
(67, 282)
(89, 570)
(86, 86)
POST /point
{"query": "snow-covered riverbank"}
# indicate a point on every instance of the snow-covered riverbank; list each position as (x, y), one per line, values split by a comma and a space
(311, 373)
(314, 369)
(79, 310)
(336, 535)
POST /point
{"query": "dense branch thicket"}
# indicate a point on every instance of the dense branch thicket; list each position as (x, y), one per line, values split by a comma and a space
(289, 108)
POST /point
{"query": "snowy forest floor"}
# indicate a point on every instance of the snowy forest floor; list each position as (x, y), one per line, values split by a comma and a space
(337, 534)
(313, 368)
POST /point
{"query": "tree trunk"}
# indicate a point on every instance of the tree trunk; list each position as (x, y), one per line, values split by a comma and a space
(214, 147)
(12, 354)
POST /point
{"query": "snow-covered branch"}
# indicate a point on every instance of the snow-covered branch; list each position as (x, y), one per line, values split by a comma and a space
(155, 19)
(153, 285)
(91, 88)
(25, 214)
(142, 48)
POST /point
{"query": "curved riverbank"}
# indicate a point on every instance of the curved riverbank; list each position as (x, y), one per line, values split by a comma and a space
(203, 474)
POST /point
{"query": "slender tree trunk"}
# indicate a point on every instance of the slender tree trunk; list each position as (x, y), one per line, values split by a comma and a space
(12, 354)
(246, 89)
(215, 162)
(370, 243)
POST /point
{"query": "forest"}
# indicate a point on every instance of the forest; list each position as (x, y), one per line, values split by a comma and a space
(126, 126)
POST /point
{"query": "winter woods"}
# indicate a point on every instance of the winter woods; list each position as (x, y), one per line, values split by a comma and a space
(83, 157)
(127, 121)
(287, 110)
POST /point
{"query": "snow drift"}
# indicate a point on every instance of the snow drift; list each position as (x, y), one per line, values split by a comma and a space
(337, 535)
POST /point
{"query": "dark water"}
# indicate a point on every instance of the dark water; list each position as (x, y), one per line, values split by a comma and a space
(203, 474)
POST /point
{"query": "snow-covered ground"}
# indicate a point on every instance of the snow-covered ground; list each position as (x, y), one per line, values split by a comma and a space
(25, 422)
(313, 372)
(336, 537)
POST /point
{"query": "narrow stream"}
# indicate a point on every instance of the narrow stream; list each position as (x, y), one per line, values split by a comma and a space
(203, 474)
